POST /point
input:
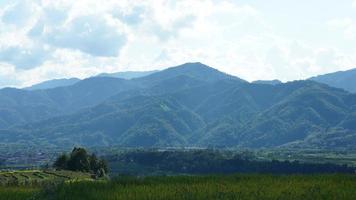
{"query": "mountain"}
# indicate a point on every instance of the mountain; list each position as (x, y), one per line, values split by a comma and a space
(309, 111)
(270, 82)
(196, 70)
(138, 121)
(188, 105)
(23, 106)
(53, 84)
(128, 75)
(343, 79)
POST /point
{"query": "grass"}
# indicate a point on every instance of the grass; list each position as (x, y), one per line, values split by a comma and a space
(17, 193)
(284, 187)
(305, 187)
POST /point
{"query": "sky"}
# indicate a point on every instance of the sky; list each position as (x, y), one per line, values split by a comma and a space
(257, 39)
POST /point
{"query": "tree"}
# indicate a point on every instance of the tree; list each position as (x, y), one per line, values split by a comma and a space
(98, 166)
(103, 165)
(61, 162)
(79, 160)
(94, 163)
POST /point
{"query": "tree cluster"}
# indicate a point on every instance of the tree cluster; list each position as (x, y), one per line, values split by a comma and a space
(212, 162)
(80, 160)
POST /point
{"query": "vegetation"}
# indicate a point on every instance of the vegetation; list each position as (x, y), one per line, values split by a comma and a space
(342, 79)
(313, 187)
(17, 193)
(39, 177)
(80, 160)
(18, 185)
(78, 184)
(185, 106)
(143, 162)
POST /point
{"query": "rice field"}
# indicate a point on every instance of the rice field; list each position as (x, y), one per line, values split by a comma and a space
(37, 177)
(26, 185)
(255, 187)
(294, 187)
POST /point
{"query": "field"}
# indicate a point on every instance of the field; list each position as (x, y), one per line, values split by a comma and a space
(36, 177)
(284, 187)
(18, 185)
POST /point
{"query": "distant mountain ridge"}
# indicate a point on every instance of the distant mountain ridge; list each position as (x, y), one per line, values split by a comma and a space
(187, 105)
(270, 82)
(128, 74)
(53, 84)
(342, 79)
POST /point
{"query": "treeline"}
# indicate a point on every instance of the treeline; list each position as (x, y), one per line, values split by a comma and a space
(80, 160)
(211, 161)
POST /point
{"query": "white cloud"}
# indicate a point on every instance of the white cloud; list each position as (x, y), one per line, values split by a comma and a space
(46, 39)
(90, 34)
(346, 25)
(18, 13)
(8, 75)
(24, 58)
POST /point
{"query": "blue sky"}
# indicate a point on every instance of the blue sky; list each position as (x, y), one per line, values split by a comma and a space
(257, 39)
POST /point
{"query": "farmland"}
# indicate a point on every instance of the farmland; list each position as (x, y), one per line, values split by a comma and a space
(193, 174)
(27, 184)
(201, 187)
(37, 177)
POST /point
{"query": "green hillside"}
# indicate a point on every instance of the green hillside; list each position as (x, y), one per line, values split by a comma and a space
(187, 105)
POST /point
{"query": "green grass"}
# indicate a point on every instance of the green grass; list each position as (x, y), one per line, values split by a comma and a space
(286, 187)
(311, 187)
(17, 193)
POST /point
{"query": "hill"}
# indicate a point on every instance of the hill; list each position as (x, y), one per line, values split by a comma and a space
(22, 106)
(188, 105)
(128, 74)
(197, 71)
(271, 82)
(343, 79)
(53, 84)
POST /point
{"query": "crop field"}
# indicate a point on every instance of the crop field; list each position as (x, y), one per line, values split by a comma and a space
(294, 187)
(215, 187)
(18, 185)
(36, 177)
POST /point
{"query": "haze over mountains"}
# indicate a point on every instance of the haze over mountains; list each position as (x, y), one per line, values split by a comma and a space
(187, 105)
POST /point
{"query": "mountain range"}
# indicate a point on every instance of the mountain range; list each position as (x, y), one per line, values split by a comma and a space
(71, 81)
(53, 84)
(187, 105)
(342, 79)
(128, 74)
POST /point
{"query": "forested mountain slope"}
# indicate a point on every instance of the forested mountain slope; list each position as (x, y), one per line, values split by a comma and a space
(187, 105)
